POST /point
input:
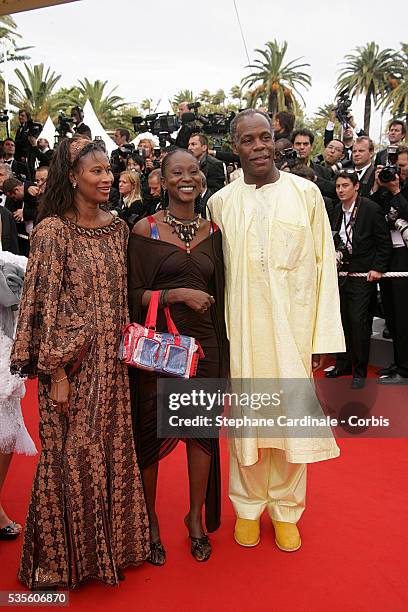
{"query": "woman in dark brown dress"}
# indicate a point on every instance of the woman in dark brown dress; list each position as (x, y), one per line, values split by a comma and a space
(190, 274)
(87, 517)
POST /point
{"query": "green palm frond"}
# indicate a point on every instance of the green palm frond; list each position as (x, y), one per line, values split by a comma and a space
(279, 79)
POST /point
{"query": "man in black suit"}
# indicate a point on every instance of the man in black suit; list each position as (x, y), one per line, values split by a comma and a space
(40, 149)
(77, 116)
(212, 168)
(363, 238)
(396, 133)
(349, 133)
(363, 152)
(21, 136)
(8, 237)
(22, 203)
(205, 196)
(392, 196)
(303, 140)
(18, 168)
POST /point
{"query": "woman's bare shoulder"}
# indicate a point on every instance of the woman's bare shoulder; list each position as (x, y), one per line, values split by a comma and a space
(142, 228)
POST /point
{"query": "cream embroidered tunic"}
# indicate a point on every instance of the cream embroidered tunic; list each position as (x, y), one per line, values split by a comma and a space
(282, 301)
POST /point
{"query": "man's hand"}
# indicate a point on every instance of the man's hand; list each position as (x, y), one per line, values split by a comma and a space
(33, 190)
(149, 164)
(351, 121)
(332, 115)
(32, 140)
(318, 362)
(18, 215)
(374, 276)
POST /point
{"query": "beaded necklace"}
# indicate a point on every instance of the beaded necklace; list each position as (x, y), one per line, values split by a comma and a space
(185, 230)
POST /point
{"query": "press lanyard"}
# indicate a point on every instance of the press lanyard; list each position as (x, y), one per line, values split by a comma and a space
(348, 227)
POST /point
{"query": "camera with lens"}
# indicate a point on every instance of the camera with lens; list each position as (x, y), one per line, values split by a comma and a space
(395, 222)
(159, 124)
(342, 253)
(288, 156)
(342, 109)
(126, 150)
(391, 170)
(402, 226)
(33, 128)
(344, 164)
(4, 116)
(63, 125)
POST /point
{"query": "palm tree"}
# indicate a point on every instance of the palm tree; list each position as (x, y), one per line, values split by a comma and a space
(147, 104)
(397, 91)
(236, 93)
(37, 86)
(205, 96)
(274, 81)
(8, 31)
(104, 104)
(183, 95)
(365, 73)
(123, 118)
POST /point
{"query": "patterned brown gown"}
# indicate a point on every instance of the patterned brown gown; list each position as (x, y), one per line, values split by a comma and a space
(87, 516)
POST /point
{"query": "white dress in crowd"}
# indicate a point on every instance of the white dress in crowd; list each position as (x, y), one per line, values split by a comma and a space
(14, 436)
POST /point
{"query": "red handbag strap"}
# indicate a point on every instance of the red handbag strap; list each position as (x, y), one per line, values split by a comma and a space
(171, 326)
(151, 316)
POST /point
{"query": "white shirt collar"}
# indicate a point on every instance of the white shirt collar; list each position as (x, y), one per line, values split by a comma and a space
(362, 170)
(348, 210)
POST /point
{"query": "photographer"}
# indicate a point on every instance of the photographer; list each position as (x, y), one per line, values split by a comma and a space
(283, 125)
(40, 148)
(390, 190)
(302, 140)
(21, 136)
(120, 155)
(396, 133)
(333, 157)
(79, 127)
(363, 244)
(188, 125)
(19, 169)
(362, 158)
(152, 199)
(212, 169)
(349, 132)
(145, 149)
(22, 203)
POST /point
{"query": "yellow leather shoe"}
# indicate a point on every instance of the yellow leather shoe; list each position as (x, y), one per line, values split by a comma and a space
(247, 532)
(287, 536)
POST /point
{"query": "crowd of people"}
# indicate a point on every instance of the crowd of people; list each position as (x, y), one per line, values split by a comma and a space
(222, 235)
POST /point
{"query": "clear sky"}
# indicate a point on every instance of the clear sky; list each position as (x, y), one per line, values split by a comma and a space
(151, 49)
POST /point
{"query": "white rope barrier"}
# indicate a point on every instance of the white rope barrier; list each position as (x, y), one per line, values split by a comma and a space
(385, 275)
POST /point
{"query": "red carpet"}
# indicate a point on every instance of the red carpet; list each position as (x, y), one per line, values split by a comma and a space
(354, 553)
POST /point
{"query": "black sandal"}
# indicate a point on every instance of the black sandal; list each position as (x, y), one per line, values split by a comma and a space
(157, 554)
(201, 548)
(11, 532)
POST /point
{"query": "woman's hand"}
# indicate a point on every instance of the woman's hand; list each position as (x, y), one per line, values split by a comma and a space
(60, 393)
(197, 300)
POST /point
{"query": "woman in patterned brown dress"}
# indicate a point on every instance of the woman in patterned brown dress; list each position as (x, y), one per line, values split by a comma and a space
(87, 517)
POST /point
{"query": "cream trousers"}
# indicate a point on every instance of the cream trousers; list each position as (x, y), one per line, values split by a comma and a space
(271, 483)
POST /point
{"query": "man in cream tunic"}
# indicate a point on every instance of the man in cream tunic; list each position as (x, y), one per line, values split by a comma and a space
(282, 314)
